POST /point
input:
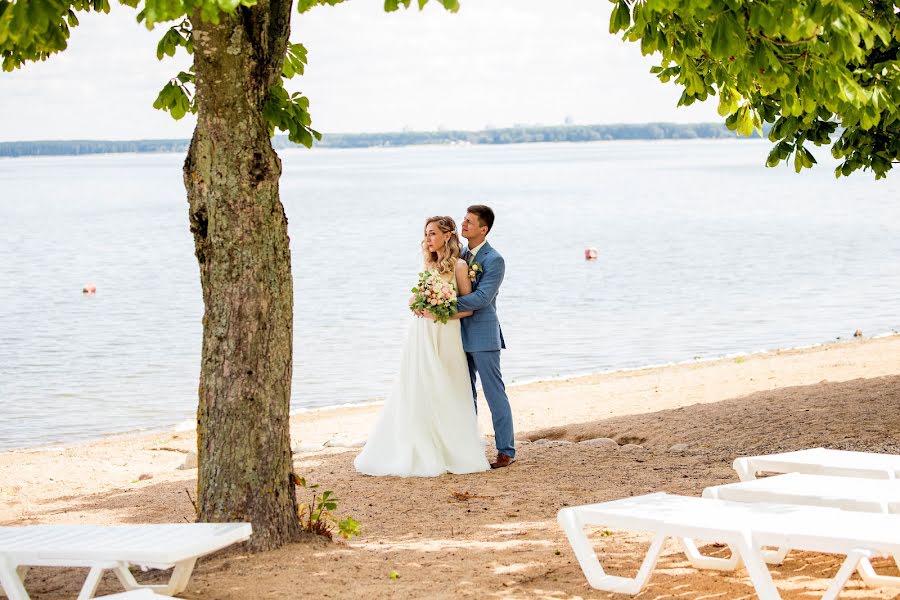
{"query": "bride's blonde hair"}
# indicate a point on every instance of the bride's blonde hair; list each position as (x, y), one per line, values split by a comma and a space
(447, 263)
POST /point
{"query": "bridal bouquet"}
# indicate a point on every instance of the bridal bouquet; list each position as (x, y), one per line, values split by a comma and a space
(434, 295)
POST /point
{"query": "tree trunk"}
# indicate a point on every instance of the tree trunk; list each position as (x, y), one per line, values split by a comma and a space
(241, 243)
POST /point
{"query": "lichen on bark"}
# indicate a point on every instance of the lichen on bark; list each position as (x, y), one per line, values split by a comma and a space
(241, 243)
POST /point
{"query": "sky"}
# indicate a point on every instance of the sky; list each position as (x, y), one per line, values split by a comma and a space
(495, 63)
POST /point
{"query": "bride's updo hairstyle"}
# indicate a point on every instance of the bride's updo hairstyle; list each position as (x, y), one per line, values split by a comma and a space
(447, 262)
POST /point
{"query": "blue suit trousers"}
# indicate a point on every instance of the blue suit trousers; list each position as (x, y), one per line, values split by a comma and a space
(487, 365)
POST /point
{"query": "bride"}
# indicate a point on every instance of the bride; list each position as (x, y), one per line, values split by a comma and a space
(428, 424)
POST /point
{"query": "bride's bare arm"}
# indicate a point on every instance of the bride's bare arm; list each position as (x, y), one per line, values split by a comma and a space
(463, 285)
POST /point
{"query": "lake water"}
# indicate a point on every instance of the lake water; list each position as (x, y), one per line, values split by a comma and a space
(703, 252)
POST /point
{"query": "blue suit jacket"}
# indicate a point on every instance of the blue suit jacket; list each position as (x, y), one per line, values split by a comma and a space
(481, 331)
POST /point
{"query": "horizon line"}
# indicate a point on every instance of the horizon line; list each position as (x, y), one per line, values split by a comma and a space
(395, 132)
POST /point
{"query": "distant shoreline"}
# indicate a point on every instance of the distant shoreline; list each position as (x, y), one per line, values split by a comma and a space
(512, 135)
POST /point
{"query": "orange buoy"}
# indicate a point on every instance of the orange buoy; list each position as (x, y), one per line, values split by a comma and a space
(89, 288)
(590, 254)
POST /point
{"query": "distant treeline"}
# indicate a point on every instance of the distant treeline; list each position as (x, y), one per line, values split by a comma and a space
(513, 135)
(72, 147)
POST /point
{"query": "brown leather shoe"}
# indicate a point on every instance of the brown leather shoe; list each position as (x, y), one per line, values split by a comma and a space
(503, 460)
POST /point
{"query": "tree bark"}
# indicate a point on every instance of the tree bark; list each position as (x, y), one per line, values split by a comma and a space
(242, 247)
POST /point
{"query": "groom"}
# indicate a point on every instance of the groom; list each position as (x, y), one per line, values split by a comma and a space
(481, 335)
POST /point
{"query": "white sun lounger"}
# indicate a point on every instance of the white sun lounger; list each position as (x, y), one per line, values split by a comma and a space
(114, 547)
(136, 595)
(745, 527)
(821, 461)
(847, 493)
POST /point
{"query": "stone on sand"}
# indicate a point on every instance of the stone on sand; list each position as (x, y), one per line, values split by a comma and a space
(343, 442)
(301, 447)
(190, 462)
(550, 443)
(603, 443)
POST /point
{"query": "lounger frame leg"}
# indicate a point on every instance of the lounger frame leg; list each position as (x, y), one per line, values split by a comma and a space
(744, 470)
(11, 582)
(123, 574)
(701, 561)
(181, 575)
(590, 563)
(872, 579)
(756, 568)
(850, 564)
(775, 557)
(89, 587)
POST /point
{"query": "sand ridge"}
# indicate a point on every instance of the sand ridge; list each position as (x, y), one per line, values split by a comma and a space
(494, 534)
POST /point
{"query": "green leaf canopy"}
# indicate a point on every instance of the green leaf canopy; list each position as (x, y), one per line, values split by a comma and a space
(814, 68)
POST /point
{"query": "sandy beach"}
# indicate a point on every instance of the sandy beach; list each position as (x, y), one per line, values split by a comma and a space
(494, 534)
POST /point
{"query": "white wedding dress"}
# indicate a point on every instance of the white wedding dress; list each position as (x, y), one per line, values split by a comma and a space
(428, 424)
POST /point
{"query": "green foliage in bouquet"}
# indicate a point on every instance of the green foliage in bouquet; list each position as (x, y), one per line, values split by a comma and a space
(434, 295)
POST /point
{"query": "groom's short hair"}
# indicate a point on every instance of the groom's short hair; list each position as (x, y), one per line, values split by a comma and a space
(484, 214)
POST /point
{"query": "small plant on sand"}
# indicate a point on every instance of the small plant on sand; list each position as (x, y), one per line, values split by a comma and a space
(318, 516)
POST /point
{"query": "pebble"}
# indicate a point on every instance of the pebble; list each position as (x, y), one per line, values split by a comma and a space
(190, 462)
(340, 442)
(604, 443)
(678, 448)
(301, 448)
(632, 447)
(550, 443)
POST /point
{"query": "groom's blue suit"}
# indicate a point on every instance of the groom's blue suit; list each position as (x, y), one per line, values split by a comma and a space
(483, 339)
